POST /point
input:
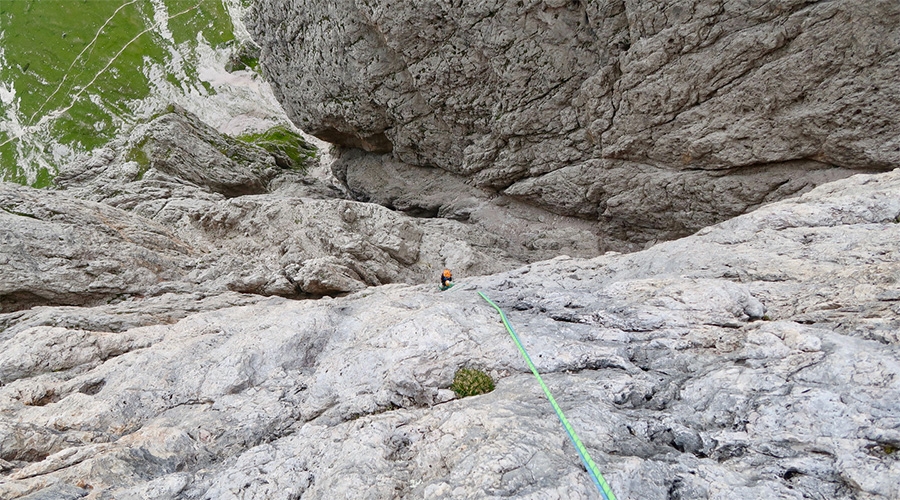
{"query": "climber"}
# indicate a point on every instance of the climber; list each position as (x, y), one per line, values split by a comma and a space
(446, 279)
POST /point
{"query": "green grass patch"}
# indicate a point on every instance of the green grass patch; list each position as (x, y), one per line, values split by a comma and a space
(471, 382)
(139, 156)
(76, 69)
(42, 179)
(207, 17)
(245, 57)
(249, 62)
(74, 50)
(288, 147)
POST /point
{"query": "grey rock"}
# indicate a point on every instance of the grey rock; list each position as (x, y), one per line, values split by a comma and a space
(534, 234)
(57, 249)
(167, 212)
(121, 315)
(660, 359)
(58, 492)
(247, 226)
(657, 120)
(175, 153)
(178, 143)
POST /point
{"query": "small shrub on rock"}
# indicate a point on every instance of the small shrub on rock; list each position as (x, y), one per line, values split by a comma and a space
(471, 382)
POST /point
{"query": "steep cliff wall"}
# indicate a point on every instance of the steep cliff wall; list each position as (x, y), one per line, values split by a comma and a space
(656, 119)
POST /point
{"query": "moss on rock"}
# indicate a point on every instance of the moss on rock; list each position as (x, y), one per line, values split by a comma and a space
(289, 148)
(471, 382)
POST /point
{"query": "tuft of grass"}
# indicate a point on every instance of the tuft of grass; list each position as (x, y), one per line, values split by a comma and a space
(288, 148)
(471, 382)
(138, 155)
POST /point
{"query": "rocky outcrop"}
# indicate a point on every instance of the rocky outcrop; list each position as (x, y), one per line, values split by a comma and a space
(755, 358)
(175, 155)
(178, 208)
(59, 250)
(435, 193)
(693, 111)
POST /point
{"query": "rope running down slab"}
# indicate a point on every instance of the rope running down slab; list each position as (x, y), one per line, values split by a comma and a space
(596, 476)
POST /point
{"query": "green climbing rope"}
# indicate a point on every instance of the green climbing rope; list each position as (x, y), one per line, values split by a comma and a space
(589, 464)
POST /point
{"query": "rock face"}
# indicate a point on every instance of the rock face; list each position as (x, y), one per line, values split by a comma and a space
(694, 111)
(179, 208)
(59, 250)
(757, 358)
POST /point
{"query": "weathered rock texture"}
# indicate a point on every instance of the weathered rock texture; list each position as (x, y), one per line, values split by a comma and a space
(59, 250)
(179, 208)
(758, 358)
(694, 110)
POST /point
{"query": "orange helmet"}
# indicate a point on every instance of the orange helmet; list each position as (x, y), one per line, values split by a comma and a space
(446, 273)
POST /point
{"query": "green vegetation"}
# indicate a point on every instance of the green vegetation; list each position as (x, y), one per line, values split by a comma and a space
(471, 382)
(206, 17)
(288, 147)
(74, 72)
(249, 62)
(246, 57)
(139, 156)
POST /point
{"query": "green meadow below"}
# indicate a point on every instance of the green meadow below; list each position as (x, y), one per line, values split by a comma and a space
(74, 74)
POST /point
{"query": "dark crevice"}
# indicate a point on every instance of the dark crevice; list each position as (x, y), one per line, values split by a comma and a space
(729, 451)
(422, 212)
(23, 300)
(674, 490)
(376, 143)
(50, 396)
(791, 473)
(92, 388)
(25, 455)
